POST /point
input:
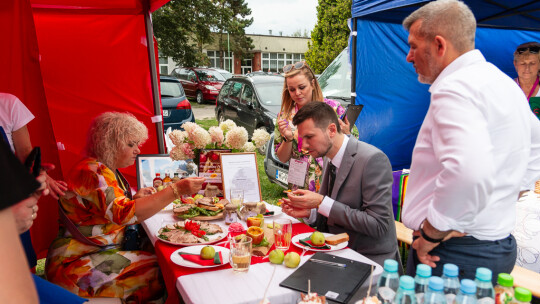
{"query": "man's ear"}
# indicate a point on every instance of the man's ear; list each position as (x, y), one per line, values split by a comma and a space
(332, 129)
(441, 45)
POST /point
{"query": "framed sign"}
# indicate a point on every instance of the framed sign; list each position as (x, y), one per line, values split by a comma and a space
(210, 168)
(239, 171)
(152, 167)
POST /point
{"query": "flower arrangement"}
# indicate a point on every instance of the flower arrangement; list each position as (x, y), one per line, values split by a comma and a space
(226, 136)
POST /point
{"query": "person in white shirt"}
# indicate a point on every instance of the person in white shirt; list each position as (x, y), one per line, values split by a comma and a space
(357, 197)
(478, 146)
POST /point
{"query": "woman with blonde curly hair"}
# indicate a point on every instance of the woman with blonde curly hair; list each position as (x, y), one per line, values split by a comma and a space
(87, 256)
(301, 87)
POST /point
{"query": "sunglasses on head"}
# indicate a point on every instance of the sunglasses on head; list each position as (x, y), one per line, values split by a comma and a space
(531, 49)
(298, 65)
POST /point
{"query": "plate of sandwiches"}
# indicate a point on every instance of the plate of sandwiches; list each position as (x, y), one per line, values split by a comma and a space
(201, 209)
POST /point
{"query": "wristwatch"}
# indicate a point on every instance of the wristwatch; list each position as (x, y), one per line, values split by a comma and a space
(426, 237)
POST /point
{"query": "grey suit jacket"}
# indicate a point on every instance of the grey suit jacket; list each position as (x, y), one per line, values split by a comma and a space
(363, 201)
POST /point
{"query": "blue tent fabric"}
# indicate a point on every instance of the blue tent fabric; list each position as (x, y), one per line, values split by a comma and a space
(395, 103)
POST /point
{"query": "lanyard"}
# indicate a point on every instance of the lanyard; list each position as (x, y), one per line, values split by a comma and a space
(533, 88)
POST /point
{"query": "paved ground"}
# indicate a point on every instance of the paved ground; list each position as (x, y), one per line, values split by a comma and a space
(203, 111)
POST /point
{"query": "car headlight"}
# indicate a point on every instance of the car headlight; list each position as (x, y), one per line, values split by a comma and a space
(211, 87)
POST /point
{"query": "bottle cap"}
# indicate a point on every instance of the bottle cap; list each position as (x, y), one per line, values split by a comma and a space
(436, 283)
(450, 270)
(483, 274)
(506, 280)
(522, 294)
(390, 265)
(406, 282)
(423, 270)
(468, 286)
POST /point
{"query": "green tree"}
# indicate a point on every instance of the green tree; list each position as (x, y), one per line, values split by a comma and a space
(330, 35)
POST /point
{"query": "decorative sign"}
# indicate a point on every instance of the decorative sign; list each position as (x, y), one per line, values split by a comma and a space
(239, 171)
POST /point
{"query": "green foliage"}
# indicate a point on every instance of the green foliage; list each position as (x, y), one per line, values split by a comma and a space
(232, 19)
(330, 35)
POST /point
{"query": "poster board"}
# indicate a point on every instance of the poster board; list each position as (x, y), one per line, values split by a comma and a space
(210, 167)
(240, 171)
(150, 164)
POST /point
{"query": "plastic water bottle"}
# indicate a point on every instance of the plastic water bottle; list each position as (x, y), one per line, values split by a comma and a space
(435, 293)
(388, 282)
(485, 294)
(451, 282)
(504, 290)
(521, 296)
(467, 292)
(421, 281)
(405, 293)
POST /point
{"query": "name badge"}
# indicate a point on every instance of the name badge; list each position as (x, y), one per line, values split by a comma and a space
(298, 169)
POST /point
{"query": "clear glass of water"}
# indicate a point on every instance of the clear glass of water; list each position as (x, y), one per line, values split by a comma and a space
(237, 196)
(240, 257)
(282, 233)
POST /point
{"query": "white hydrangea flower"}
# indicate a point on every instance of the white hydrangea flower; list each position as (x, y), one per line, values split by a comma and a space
(200, 137)
(177, 137)
(217, 135)
(190, 126)
(260, 137)
(227, 125)
(236, 138)
(249, 147)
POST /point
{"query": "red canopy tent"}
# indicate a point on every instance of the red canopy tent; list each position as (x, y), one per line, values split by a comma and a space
(70, 60)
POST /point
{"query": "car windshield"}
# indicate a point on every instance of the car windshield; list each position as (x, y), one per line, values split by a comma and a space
(209, 75)
(171, 89)
(270, 93)
(335, 81)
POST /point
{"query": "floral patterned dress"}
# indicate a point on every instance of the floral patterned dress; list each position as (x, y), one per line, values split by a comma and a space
(97, 205)
(313, 180)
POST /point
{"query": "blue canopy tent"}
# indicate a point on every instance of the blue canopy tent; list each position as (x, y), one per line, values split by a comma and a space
(395, 103)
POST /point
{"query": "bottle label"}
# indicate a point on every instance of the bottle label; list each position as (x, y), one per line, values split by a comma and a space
(450, 297)
(386, 294)
(485, 300)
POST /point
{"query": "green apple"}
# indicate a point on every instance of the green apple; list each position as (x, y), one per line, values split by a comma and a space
(292, 259)
(317, 238)
(208, 252)
(276, 256)
(159, 188)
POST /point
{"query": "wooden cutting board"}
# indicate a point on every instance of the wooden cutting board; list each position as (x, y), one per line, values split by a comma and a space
(207, 218)
(262, 251)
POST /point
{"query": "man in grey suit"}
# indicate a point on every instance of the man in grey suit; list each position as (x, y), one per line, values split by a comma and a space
(357, 198)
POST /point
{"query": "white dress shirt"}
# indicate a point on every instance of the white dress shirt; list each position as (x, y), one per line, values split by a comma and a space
(326, 205)
(478, 146)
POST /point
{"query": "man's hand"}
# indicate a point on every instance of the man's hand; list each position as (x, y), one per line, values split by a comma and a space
(25, 212)
(56, 188)
(190, 185)
(304, 199)
(345, 125)
(423, 248)
(144, 192)
(294, 212)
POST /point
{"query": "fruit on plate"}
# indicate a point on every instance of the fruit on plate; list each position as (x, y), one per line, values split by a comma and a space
(317, 238)
(254, 221)
(292, 259)
(276, 256)
(208, 252)
(256, 234)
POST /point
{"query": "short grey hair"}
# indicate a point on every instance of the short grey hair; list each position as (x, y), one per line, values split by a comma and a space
(451, 19)
(109, 131)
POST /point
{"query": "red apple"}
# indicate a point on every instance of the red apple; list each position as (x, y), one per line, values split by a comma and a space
(256, 233)
(253, 221)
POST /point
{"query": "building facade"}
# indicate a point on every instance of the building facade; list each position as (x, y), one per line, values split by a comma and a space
(270, 54)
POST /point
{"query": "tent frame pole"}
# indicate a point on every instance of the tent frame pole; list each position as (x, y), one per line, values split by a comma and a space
(353, 62)
(153, 74)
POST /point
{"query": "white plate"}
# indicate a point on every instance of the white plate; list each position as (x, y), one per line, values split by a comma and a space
(276, 209)
(296, 242)
(211, 238)
(178, 260)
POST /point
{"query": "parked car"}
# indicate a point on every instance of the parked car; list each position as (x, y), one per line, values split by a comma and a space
(203, 84)
(335, 83)
(176, 107)
(251, 102)
(223, 72)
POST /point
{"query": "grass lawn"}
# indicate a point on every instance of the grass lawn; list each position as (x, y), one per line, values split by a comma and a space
(270, 192)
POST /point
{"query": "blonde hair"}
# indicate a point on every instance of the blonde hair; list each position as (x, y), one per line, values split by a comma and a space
(287, 103)
(109, 131)
(526, 54)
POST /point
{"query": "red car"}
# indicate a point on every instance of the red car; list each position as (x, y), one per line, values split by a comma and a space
(203, 84)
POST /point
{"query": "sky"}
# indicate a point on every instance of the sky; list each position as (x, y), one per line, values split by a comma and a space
(287, 16)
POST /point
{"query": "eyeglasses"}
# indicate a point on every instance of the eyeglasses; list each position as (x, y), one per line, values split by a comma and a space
(531, 49)
(289, 67)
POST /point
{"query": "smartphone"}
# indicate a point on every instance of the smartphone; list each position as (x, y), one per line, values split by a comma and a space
(33, 162)
(352, 113)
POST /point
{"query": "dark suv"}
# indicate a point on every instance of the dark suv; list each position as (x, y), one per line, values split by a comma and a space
(251, 102)
(203, 84)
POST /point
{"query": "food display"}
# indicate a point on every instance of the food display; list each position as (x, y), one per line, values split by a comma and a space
(191, 232)
(250, 209)
(256, 234)
(331, 242)
(312, 298)
(200, 208)
(255, 221)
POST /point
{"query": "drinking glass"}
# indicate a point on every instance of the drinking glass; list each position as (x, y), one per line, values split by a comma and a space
(237, 196)
(282, 233)
(240, 257)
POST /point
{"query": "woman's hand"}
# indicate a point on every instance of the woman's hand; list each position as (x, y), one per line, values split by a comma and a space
(190, 185)
(285, 130)
(144, 192)
(25, 212)
(345, 125)
(56, 188)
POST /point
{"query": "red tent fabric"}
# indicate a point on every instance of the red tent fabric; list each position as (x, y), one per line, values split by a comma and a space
(81, 59)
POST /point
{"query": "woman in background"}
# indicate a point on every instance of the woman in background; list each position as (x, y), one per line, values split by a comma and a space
(527, 64)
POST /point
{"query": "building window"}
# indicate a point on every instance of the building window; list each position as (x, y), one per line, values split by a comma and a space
(227, 60)
(274, 62)
(163, 66)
